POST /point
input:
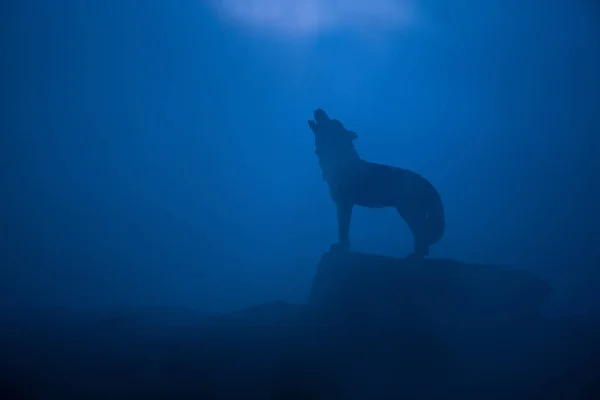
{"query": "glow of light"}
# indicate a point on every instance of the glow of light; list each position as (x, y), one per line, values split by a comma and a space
(302, 18)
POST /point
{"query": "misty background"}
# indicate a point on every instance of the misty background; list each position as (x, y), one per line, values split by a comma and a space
(157, 153)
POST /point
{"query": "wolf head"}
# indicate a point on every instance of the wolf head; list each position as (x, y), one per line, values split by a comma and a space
(333, 144)
(329, 132)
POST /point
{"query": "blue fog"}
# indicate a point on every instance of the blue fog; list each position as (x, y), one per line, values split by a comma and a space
(157, 153)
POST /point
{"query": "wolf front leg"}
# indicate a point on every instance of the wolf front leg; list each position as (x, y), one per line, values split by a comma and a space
(344, 215)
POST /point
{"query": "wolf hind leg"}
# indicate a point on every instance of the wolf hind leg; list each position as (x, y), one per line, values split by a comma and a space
(417, 222)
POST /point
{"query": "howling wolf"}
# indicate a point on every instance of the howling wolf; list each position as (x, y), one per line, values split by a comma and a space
(353, 181)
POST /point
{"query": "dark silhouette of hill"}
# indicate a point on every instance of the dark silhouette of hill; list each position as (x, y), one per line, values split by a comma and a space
(443, 292)
(374, 327)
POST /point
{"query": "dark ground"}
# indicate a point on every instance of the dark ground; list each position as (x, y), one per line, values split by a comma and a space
(374, 328)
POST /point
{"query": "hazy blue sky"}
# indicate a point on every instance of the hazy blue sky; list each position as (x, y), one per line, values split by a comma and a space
(158, 153)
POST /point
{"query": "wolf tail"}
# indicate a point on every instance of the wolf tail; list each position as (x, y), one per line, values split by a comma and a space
(436, 220)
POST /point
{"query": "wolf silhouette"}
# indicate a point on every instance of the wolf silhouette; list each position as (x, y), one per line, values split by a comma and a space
(353, 181)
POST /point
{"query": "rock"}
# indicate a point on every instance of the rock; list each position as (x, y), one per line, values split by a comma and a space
(439, 291)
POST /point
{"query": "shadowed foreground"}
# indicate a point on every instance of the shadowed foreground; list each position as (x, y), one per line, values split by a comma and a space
(375, 327)
(442, 292)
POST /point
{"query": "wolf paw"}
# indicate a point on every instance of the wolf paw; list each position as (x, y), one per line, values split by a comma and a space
(340, 247)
